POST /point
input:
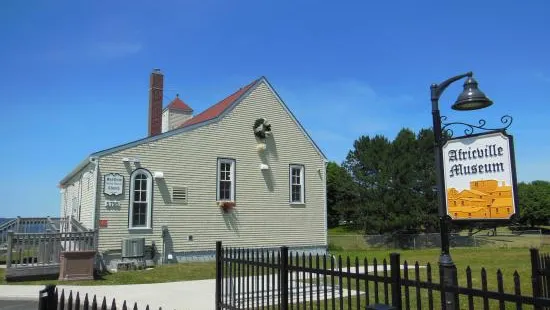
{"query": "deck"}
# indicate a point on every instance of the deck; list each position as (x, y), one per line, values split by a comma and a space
(32, 246)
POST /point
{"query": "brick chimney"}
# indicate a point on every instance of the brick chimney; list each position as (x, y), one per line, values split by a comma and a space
(156, 83)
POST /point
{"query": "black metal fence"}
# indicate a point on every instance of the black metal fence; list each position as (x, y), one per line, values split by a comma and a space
(50, 299)
(277, 279)
(540, 266)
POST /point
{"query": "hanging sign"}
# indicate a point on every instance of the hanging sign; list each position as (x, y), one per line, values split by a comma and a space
(113, 184)
(480, 177)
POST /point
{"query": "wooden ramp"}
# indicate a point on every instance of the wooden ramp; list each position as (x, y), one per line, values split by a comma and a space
(38, 254)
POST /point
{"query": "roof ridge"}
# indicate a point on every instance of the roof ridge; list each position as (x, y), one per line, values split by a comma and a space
(221, 106)
(178, 104)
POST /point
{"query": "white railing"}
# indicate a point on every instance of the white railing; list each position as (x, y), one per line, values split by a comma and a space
(44, 249)
(39, 225)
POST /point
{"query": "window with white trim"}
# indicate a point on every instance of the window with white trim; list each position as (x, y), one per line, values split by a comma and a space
(141, 185)
(296, 186)
(226, 180)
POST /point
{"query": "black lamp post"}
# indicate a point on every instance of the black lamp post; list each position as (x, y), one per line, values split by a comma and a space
(470, 99)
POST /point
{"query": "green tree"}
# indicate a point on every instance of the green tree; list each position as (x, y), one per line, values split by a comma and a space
(369, 166)
(425, 183)
(395, 182)
(342, 195)
(534, 202)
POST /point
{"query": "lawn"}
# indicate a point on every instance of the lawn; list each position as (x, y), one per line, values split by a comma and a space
(507, 259)
(493, 259)
(506, 252)
(341, 238)
(165, 273)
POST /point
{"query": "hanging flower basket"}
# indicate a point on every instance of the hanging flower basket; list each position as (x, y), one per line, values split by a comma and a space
(226, 206)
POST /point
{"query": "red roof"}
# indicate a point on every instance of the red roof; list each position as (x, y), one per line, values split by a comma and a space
(178, 104)
(217, 109)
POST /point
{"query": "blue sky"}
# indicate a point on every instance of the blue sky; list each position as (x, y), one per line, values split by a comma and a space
(74, 74)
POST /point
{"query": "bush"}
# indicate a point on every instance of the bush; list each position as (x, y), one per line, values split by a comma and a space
(334, 247)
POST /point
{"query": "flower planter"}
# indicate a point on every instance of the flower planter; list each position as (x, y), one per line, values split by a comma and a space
(226, 206)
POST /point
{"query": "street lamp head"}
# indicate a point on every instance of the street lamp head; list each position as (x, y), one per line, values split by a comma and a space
(471, 98)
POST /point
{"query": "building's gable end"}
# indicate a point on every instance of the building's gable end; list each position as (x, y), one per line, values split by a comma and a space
(298, 124)
(83, 164)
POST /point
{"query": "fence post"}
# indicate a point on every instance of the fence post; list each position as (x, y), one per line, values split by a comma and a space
(17, 223)
(219, 273)
(395, 272)
(46, 298)
(96, 239)
(9, 249)
(535, 276)
(283, 278)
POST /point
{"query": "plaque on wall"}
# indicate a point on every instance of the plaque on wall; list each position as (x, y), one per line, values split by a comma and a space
(113, 184)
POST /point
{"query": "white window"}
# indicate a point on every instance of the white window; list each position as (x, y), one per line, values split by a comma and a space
(296, 179)
(140, 199)
(226, 180)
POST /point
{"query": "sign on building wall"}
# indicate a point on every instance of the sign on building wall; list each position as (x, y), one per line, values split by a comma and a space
(103, 223)
(480, 177)
(113, 184)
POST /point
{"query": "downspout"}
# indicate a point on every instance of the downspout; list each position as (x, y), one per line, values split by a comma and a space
(98, 257)
(63, 193)
(95, 160)
(80, 195)
(325, 163)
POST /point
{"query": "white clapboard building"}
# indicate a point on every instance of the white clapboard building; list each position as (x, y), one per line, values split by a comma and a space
(244, 171)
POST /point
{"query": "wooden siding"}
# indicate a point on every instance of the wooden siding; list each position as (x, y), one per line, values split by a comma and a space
(165, 120)
(263, 216)
(177, 118)
(172, 119)
(80, 189)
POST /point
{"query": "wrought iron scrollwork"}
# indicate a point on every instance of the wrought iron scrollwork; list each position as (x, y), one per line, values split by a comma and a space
(470, 129)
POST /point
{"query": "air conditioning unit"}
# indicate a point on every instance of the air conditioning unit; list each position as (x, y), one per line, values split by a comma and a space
(133, 247)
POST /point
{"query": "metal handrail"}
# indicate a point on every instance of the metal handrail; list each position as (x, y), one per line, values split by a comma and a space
(7, 224)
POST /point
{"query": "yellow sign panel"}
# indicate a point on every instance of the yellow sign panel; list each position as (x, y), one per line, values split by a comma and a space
(485, 199)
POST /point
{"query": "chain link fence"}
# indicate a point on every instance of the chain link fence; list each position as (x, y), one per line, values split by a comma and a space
(525, 239)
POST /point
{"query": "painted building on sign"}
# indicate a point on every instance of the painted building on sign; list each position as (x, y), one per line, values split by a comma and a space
(480, 177)
(485, 199)
(244, 171)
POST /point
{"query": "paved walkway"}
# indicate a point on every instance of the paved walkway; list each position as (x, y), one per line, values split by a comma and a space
(18, 304)
(184, 295)
(192, 295)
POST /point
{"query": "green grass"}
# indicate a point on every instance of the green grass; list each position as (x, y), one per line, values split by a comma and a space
(510, 257)
(342, 238)
(507, 260)
(492, 259)
(343, 230)
(160, 274)
(505, 252)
